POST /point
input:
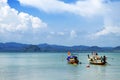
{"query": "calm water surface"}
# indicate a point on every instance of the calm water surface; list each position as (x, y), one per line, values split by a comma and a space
(53, 66)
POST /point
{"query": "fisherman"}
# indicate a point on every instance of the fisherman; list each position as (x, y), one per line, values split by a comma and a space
(101, 58)
(88, 56)
(69, 56)
(104, 59)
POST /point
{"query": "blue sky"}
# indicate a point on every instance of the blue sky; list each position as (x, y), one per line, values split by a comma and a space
(62, 22)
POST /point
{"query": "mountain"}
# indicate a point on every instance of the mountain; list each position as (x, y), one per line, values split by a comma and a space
(12, 47)
(32, 48)
(53, 48)
(117, 49)
(18, 47)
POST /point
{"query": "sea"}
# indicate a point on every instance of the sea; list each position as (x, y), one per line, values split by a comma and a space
(54, 66)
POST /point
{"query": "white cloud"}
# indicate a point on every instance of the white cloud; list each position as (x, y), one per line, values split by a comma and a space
(61, 33)
(106, 31)
(84, 8)
(104, 8)
(68, 34)
(73, 34)
(3, 1)
(18, 24)
(111, 21)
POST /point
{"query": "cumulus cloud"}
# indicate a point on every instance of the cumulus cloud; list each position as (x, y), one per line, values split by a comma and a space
(111, 21)
(82, 8)
(3, 1)
(14, 23)
(106, 31)
(104, 8)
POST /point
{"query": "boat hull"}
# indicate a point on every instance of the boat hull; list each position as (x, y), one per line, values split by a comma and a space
(74, 63)
(95, 63)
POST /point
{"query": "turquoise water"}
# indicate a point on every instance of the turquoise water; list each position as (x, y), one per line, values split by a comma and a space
(53, 66)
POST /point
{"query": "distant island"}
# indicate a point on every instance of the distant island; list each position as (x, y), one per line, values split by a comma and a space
(18, 47)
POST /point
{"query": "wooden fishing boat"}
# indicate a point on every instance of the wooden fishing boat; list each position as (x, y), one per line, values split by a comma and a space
(96, 60)
(72, 59)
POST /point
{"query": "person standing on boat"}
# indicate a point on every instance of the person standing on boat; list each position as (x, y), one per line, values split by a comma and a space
(69, 56)
(88, 56)
(104, 59)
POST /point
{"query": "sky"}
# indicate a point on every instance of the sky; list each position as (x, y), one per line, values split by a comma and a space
(61, 22)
